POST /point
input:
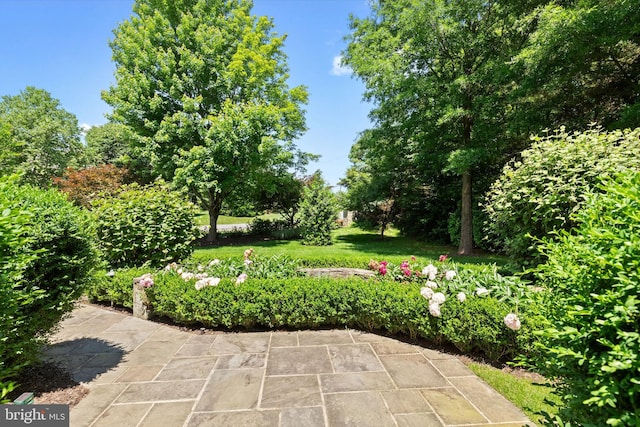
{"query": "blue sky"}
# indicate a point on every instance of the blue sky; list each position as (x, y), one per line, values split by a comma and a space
(62, 46)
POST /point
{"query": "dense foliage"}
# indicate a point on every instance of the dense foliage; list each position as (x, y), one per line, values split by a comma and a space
(139, 225)
(47, 257)
(318, 213)
(458, 87)
(594, 276)
(539, 193)
(38, 138)
(84, 185)
(203, 86)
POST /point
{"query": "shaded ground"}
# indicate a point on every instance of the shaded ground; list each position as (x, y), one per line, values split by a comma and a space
(51, 383)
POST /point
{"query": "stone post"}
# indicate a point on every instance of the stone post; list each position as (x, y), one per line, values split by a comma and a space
(141, 306)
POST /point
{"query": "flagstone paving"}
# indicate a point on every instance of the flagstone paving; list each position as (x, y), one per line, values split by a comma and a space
(142, 373)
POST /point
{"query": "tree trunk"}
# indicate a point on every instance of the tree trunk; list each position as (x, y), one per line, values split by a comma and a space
(466, 220)
(214, 212)
(466, 216)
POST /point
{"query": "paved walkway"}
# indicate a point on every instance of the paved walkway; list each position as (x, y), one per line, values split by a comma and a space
(142, 373)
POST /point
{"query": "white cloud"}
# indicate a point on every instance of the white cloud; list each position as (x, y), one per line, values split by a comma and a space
(84, 128)
(339, 69)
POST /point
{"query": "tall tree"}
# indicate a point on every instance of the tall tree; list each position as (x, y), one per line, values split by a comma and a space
(580, 66)
(438, 73)
(203, 83)
(39, 138)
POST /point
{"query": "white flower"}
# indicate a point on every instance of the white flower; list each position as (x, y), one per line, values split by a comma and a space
(434, 309)
(247, 262)
(426, 292)
(179, 271)
(241, 278)
(201, 276)
(187, 276)
(512, 321)
(461, 296)
(430, 271)
(482, 292)
(432, 285)
(200, 268)
(209, 281)
(214, 262)
(111, 273)
(450, 274)
(438, 298)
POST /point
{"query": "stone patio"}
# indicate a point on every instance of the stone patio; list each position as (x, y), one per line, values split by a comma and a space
(142, 373)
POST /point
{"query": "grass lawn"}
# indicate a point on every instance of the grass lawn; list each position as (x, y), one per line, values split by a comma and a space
(352, 247)
(529, 394)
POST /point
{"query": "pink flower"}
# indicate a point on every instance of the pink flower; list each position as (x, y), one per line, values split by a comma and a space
(443, 258)
(385, 263)
(146, 281)
(406, 272)
(413, 258)
(512, 321)
(241, 278)
(405, 264)
(382, 269)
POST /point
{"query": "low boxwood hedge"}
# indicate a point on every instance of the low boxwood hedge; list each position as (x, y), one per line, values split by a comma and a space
(474, 326)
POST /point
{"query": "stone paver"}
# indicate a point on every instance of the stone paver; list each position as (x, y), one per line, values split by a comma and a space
(142, 373)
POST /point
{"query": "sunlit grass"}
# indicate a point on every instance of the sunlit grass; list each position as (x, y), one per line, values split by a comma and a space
(203, 218)
(531, 395)
(352, 247)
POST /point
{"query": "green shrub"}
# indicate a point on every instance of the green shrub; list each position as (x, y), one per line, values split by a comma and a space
(47, 256)
(277, 228)
(13, 223)
(318, 213)
(276, 299)
(594, 276)
(145, 225)
(115, 287)
(538, 194)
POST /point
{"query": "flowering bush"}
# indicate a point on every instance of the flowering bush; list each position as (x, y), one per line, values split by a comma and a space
(267, 293)
(439, 281)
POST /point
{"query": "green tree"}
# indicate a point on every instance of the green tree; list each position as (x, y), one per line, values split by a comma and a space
(39, 138)
(580, 65)
(318, 212)
(438, 73)
(108, 144)
(203, 84)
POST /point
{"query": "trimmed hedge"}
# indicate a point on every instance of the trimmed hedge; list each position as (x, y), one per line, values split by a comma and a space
(475, 326)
